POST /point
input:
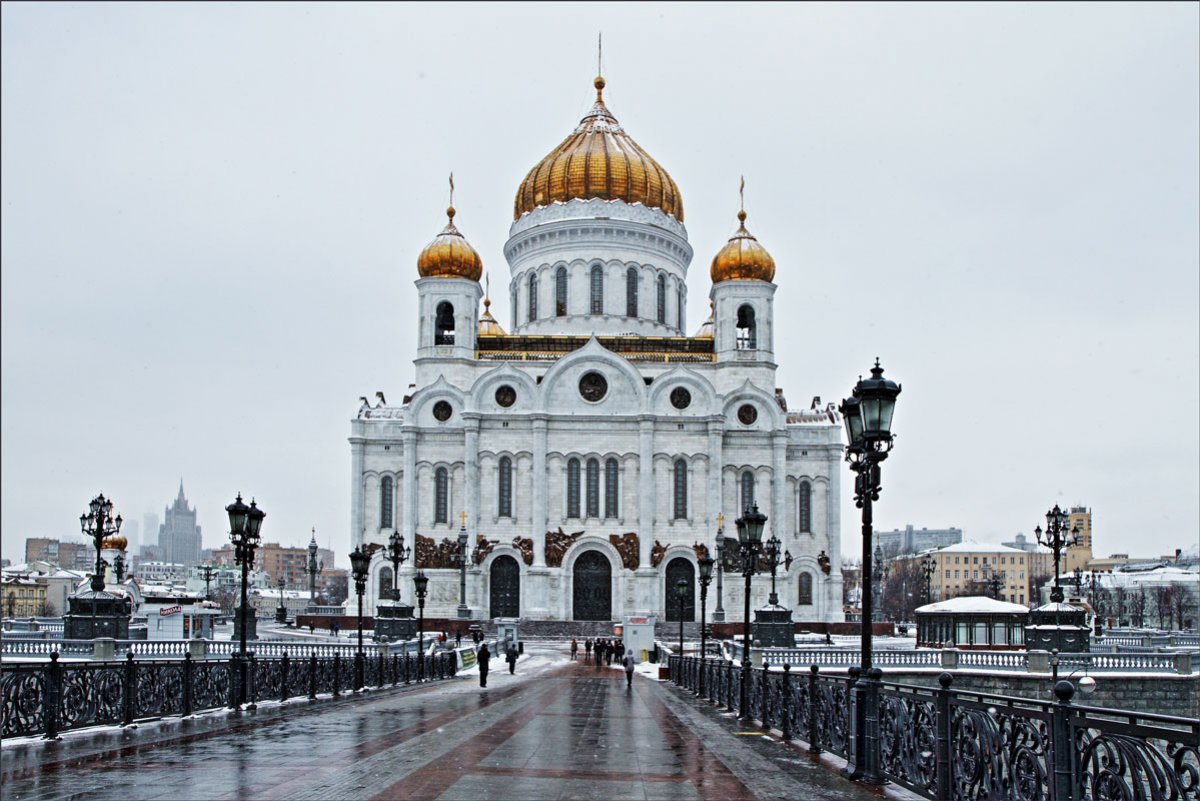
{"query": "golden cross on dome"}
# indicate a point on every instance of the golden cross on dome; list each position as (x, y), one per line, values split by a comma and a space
(599, 53)
(742, 195)
(720, 520)
(463, 517)
(451, 187)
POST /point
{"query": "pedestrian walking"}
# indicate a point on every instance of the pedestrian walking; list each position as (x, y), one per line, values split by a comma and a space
(574, 648)
(511, 657)
(610, 652)
(599, 649)
(482, 657)
(587, 647)
(629, 665)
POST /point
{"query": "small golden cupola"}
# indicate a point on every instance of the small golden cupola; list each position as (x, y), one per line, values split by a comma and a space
(488, 327)
(450, 255)
(598, 160)
(742, 258)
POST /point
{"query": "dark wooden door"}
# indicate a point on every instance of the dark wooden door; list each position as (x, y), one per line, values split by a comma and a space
(506, 588)
(592, 587)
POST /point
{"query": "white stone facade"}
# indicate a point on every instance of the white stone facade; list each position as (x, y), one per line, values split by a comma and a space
(675, 468)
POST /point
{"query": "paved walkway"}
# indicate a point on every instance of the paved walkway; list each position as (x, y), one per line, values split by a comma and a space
(556, 730)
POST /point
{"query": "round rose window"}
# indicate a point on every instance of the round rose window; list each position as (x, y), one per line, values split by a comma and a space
(506, 396)
(593, 387)
(681, 398)
(747, 414)
(442, 411)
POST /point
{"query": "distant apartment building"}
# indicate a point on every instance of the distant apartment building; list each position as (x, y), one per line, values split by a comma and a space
(179, 536)
(1080, 555)
(160, 571)
(278, 561)
(24, 596)
(67, 555)
(913, 540)
(966, 568)
(149, 529)
(131, 530)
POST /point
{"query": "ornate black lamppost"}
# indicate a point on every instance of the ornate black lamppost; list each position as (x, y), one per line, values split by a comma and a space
(681, 588)
(464, 611)
(867, 414)
(314, 567)
(421, 582)
(245, 523)
(996, 585)
(99, 524)
(119, 567)
(1094, 593)
(360, 561)
(397, 554)
(719, 612)
(749, 529)
(1057, 537)
(208, 571)
(706, 576)
(928, 568)
(281, 612)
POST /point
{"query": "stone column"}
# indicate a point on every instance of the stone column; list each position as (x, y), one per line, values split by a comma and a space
(408, 494)
(357, 493)
(646, 574)
(779, 495)
(537, 576)
(833, 527)
(471, 474)
(716, 465)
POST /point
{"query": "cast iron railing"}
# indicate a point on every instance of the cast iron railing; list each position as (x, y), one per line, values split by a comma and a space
(47, 698)
(953, 744)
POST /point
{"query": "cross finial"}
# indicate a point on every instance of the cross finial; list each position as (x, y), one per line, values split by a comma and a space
(463, 517)
(451, 187)
(720, 520)
(599, 53)
(742, 195)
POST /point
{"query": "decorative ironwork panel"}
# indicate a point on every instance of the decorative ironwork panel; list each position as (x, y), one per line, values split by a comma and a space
(268, 679)
(908, 740)
(92, 695)
(505, 586)
(1135, 757)
(23, 689)
(211, 683)
(592, 591)
(158, 690)
(833, 715)
(999, 750)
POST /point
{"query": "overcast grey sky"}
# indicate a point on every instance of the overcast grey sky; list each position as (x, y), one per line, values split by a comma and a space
(211, 216)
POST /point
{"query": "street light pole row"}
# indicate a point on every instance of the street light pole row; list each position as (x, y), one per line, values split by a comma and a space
(245, 523)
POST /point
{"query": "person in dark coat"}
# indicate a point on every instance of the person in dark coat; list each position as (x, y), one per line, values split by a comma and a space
(587, 649)
(511, 657)
(599, 653)
(482, 657)
(574, 648)
(629, 664)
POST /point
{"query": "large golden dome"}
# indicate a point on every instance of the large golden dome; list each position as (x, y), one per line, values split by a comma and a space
(599, 160)
(742, 258)
(450, 255)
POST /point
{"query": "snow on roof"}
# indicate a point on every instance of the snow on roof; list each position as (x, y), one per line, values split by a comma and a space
(1060, 607)
(979, 604)
(977, 547)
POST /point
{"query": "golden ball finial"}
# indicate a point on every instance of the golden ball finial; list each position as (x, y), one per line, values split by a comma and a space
(599, 83)
(741, 215)
(450, 212)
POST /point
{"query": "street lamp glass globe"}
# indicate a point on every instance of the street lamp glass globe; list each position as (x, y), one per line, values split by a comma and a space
(851, 411)
(254, 518)
(359, 561)
(421, 582)
(706, 568)
(878, 397)
(237, 517)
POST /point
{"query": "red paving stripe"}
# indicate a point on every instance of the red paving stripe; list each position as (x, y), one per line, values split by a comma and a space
(573, 773)
(708, 774)
(432, 780)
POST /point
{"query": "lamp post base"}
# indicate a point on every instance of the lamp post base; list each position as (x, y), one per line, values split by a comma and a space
(464, 612)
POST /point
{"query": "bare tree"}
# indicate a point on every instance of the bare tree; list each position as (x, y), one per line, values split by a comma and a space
(1137, 607)
(1163, 599)
(901, 588)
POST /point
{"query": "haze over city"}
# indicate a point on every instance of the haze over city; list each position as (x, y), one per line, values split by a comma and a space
(211, 217)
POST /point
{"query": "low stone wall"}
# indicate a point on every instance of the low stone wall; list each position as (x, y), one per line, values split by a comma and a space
(1163, 694)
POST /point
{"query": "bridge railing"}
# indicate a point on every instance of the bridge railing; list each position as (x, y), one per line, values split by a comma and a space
(952, 658)
(103, 648)
(943, 743)
(46, 698)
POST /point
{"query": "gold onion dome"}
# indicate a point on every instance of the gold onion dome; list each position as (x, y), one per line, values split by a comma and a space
(708, 329)
(742, 258)
(450, 255)
(115, 543)
(599, 160)
(488, 327)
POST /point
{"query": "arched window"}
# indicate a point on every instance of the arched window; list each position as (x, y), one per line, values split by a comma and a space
(662, 298)
(560, 292)
(597, 289)
(385, 583)
(593, 487)
(805, 516)
(680, 489)
(443, 328)
(680, 307)
(805, 589)
(631, 292)
(441, 496)
(504, 488)
(747, 490)
(533, 290)
(573, 488)
(611, 488)
(747, 331)
(385, 502)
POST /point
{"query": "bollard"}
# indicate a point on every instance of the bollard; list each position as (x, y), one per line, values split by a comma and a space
(944, 791)
(130, 688)
(188, 667)
(785, 725)
(52, 709)
(814, 739)
(312, 676)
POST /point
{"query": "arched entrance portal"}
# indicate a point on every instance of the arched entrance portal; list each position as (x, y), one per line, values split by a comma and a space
(592, 587)
(506, 588)
(680, 568)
